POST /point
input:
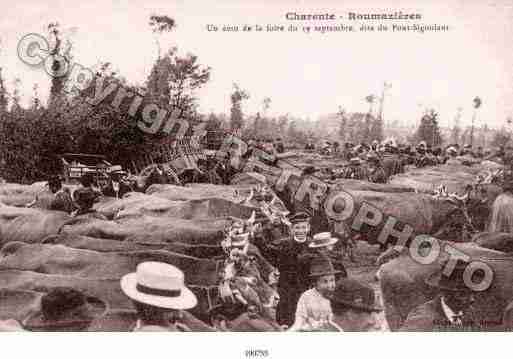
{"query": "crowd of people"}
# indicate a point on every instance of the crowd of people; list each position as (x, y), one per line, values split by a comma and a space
(314, 290)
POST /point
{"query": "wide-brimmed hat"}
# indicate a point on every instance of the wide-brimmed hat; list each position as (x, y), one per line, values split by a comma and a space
(351, 293)
(158, 284)
(453, 282)
(64, 309)
(322, 239)
(321, 266)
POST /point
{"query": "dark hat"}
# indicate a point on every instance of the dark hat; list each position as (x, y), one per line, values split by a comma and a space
(351, 293)
(454, 281)
(64, 309)
(321, 266)
(299, 217)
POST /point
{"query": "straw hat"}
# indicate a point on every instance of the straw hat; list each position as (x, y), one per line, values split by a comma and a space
(322, 239)
(158, 284)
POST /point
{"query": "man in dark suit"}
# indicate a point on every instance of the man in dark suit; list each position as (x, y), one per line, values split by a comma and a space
(285, 254)
(448, 311)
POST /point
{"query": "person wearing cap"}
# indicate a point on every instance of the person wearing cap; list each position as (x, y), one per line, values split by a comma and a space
(355, 307)
(424, 157)
(161, 298)
(448, 311)
(116, 187)
(284, 254)
(313, 310)
(65, 309)
(321, 245)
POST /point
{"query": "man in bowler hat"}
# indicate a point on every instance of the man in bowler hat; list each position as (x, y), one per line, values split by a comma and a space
(448, 311)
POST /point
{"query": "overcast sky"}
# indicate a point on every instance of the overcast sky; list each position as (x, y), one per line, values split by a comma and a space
(303, 74)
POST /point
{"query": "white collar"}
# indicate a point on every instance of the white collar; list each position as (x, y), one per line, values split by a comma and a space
(449, 313)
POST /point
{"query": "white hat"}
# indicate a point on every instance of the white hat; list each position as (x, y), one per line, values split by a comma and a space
(158, 284)
(322, 239)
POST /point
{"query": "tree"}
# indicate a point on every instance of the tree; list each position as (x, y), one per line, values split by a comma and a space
(3, 95)
(282, 124)
(173, 83)
(16, 106)
(376, 130)
(36, 102)
(236, 116)
(257, 125)
(62, 59)
(160, 24)
(428, 129)
(266, 104)
(342, 131)
(456, 130)
(366, 130)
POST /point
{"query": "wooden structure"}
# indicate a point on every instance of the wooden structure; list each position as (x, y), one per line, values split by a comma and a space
(77, 164)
